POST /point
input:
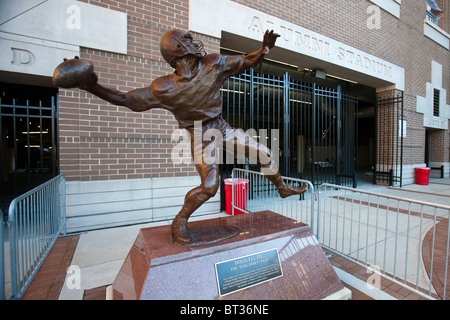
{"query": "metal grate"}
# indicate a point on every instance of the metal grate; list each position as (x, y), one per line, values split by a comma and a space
(436, 102)
(28, 152)
(389, 117)
(316, 125)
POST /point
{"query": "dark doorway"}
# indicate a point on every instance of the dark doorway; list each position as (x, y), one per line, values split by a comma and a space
(366, 135)
(28, 149)
(427, 148)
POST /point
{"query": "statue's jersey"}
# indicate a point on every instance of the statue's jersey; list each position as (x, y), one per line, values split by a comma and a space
(196, 98)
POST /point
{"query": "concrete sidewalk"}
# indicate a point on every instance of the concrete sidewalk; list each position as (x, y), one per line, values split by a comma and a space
(100, 254)
(438, 191)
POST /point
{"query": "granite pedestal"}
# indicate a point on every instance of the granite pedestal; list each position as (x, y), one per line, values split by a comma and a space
(155, 269)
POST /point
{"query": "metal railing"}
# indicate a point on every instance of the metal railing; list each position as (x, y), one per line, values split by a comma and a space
(2, 260)
(35, 221)
(432, 18)
(397, 236)
(403, 240)
(261, 194)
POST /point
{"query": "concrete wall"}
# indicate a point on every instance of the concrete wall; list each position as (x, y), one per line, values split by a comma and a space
(102, 204)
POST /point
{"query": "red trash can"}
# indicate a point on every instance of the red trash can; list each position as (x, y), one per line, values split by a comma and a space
(240, 195)
(423, 176)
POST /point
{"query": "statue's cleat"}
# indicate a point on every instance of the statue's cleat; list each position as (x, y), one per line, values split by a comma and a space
(180, 241)
(287, 190)
(180, 232)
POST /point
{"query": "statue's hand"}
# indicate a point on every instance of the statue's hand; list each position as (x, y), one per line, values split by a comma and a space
(269, 40)
(92, 82)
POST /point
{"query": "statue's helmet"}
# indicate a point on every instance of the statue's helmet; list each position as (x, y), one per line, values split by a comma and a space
(177, 43)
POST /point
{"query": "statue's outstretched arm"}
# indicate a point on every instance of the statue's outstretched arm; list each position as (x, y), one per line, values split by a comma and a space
(237, 64)
(79, 73)
(137, 100)
(254, 58)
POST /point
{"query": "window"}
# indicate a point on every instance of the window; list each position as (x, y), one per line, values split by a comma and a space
(436, 102)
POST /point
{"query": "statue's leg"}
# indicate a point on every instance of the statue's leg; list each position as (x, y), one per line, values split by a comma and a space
(264, 158)
(209, 174)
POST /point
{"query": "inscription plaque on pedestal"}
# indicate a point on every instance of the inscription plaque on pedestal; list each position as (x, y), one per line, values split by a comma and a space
(244, 272)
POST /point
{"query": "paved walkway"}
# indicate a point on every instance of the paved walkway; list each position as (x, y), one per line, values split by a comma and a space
(100, 254)
(48, 283)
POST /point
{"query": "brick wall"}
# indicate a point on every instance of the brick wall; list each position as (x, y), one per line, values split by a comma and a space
(444, 22)
(400, 41)
(439, 146)
(99, 141)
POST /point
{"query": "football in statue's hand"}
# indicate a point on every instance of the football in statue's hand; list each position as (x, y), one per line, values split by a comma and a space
(73, 73)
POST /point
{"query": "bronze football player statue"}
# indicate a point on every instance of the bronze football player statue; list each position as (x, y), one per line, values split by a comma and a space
(192, 94)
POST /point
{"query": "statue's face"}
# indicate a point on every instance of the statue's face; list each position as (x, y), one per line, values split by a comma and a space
(192, 46)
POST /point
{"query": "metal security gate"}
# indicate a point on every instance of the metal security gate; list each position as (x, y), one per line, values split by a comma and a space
(313, 128)
(322, 140)
(390, 124)
(28, 139)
